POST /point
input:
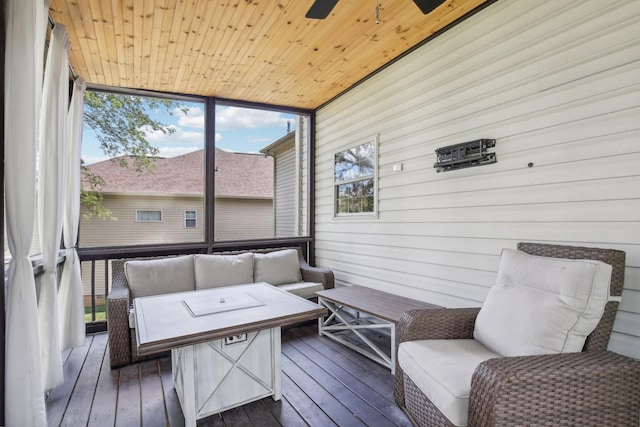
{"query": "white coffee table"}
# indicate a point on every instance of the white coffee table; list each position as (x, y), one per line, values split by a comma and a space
(381, 310)
(225, 342)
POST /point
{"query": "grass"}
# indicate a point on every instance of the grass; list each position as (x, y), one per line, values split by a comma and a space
(100, 313)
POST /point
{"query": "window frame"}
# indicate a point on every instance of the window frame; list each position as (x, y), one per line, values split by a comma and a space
(208, 217)
(195, 218)
(138, 220)
(374, 177)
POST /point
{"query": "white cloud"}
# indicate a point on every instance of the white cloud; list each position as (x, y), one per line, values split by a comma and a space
(176, 151)
(193, 118)
(230, 118)
(89, 159)
(180, 136)
(235, 118)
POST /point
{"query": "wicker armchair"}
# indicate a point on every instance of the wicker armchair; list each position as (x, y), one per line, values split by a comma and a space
(592, 388)
(122, 339)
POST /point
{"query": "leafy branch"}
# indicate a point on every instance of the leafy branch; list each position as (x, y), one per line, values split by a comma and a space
(121, 123)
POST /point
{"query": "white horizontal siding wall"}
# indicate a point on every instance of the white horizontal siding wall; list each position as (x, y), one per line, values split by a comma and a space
(557, 84)
(285, 189)
(302, 147)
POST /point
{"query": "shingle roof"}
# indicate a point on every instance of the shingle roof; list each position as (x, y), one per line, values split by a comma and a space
(238, 175)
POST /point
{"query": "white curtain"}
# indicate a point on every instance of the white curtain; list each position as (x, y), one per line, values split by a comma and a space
(51, 182)
(72, 327)
(26, 23)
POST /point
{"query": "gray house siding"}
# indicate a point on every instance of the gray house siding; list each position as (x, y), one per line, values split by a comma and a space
(285, 190)
(240, 219)
(123, 229)
(558, 87)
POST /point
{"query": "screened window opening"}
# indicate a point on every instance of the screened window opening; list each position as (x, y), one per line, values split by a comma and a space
(142, 162)
(260, 173)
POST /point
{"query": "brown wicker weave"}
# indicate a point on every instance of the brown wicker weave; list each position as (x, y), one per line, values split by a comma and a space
(591, 388)
(122, 339)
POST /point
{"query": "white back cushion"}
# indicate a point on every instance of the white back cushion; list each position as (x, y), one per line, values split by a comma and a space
(277, 268)
(542, 305)
(160, 276)
(213, 271)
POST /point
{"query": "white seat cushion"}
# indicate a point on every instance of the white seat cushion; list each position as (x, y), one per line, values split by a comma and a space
(213, 271)
(542, 305)
(160, 276)
(442, 370)
(302, 289)
(277, 268)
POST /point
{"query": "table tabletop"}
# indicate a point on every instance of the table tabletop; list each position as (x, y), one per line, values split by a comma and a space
(183, 318)
(382, 305)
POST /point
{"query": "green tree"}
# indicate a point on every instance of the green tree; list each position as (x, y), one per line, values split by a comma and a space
(121, 123)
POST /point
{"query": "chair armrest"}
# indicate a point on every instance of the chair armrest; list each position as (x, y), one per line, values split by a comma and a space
(118, 326)
(588, 388)
(318, 275)
(431, 323)
(436, 323)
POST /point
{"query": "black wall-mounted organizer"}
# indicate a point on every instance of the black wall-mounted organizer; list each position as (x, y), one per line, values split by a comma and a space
(465, 155)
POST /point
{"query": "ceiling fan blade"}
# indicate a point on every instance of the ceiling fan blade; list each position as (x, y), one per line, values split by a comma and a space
(320, 9)
(427, 6)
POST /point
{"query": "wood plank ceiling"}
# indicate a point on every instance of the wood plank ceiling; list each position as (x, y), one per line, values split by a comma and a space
(262, 51)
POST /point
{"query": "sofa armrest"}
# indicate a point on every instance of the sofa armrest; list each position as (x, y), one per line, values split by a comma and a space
(118, 326)
(432, 323)
(318, 275)
(588, 388)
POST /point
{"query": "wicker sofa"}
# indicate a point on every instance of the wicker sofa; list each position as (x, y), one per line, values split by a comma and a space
(594, 387)
(221, 269)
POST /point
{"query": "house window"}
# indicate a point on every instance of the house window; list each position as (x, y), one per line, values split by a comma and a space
(148, 216)
(190, 219)
(355, 179)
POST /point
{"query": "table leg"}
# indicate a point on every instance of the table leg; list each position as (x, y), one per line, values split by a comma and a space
(336, 323)
(184, 369)
(277, 362)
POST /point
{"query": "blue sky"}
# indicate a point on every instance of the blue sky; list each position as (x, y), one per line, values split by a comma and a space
(237, 129)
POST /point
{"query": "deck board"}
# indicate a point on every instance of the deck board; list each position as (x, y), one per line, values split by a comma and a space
(59, 397)
(323, 383)
(102, 412)
(85, 387)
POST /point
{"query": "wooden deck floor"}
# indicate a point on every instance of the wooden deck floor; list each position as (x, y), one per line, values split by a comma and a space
(323, 384)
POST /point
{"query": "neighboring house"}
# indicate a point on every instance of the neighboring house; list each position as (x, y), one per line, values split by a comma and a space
(286, 185)
(244, 196)
(167, 206)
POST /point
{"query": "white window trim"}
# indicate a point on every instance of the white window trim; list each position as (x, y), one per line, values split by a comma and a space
(374, 214)
(150, 210)
(195, 218)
